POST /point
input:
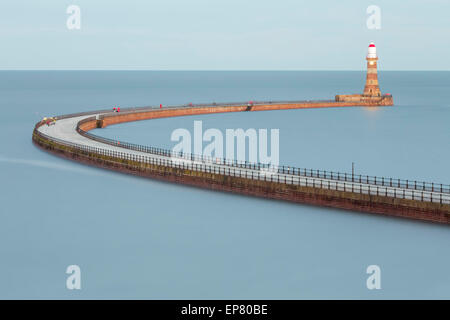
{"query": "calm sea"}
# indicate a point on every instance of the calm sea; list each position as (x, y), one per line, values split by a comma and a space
(139, 238)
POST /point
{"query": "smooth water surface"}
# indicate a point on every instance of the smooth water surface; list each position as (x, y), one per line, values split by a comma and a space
(140, 238)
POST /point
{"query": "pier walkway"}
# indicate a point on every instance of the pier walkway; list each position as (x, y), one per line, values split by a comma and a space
(71, 131)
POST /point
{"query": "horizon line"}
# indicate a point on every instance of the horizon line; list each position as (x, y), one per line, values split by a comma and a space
(223, 70)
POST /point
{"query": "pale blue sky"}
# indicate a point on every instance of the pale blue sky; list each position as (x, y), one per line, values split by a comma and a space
(223, 35)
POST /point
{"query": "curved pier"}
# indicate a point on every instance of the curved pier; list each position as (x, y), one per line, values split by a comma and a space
(69, 137)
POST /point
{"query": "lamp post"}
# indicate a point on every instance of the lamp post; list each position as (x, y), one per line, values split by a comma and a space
(353, 171)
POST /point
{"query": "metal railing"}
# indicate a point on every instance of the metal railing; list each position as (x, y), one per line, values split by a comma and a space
(288, 170)
(142, 161)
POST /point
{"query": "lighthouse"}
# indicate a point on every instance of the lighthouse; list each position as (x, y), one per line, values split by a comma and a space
(372, 88)
(372, 95)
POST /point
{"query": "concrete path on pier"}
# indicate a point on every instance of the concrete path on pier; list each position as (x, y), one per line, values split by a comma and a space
(65, 130)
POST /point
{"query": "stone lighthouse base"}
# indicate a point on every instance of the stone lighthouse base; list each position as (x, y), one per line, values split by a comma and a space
(384, 100)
